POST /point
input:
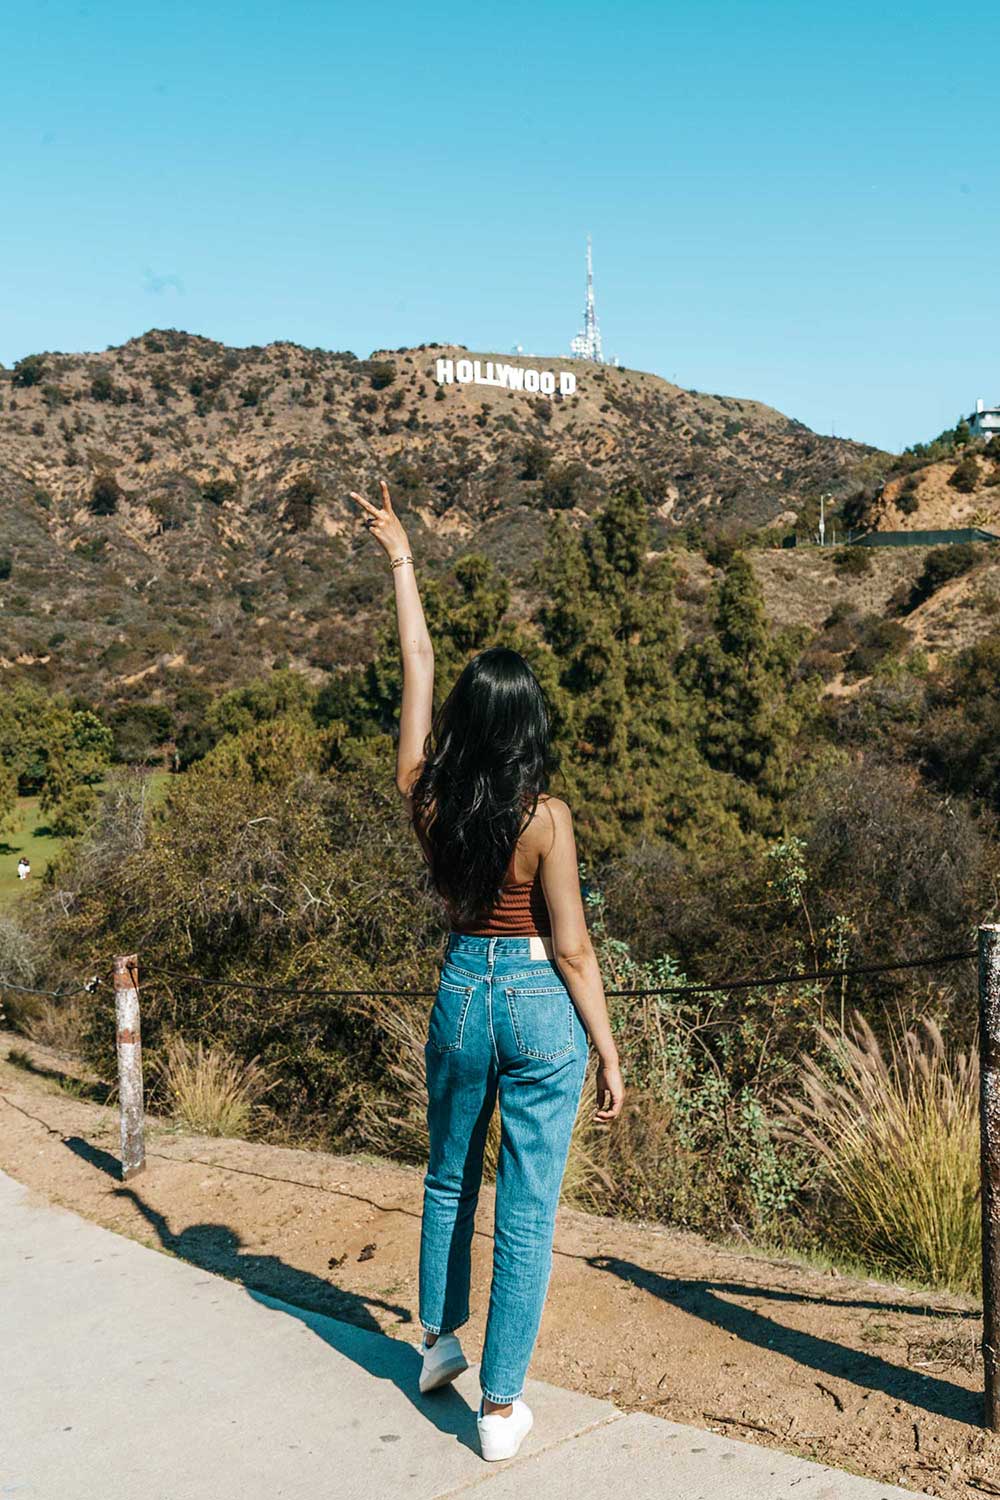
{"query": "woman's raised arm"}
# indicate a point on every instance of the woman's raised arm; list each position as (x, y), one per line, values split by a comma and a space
(414, 641)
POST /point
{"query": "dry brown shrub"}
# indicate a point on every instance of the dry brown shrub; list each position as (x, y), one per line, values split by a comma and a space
(57, 1024)
(209, 1090)
(896, 1135)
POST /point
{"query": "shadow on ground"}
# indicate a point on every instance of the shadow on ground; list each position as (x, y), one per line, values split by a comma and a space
(78, 1088)
(332, 1313)
(709, 1300)
(103, 1160)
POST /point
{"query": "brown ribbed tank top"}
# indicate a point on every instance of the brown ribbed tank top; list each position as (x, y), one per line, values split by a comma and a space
(520, 910)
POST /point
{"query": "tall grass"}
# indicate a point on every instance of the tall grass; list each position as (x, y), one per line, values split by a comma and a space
(896, 1135)
(55, 1023)
(210, 1091)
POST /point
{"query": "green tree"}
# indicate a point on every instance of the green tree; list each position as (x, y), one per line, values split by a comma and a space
(382, 374)
(745, 701)
(105, 495)
(966, 475)
(75, 763)
(283, 694)
(299, 501)
(8, 791)
(940, 566)
(958, 740)
(29, 371)
(628, 762)
(102, 387)
(140, 730)
(54, 752)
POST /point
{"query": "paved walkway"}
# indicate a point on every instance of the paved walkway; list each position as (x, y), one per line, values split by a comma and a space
(128, 1373)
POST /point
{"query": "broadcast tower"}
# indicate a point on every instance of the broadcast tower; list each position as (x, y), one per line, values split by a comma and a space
(587, 344)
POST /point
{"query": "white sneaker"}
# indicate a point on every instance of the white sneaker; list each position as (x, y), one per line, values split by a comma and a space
(500, 1437)
(442, 1362)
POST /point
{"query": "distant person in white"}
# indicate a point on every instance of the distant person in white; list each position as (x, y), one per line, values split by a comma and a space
(23, 868)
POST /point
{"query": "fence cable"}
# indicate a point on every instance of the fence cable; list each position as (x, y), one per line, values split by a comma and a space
(701, 987)
(63, 994)
(725, 986)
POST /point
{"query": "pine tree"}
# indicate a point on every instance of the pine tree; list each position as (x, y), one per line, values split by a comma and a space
(744, 700)
(627, 757)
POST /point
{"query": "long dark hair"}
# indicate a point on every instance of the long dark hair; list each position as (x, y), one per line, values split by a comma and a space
(487, 760)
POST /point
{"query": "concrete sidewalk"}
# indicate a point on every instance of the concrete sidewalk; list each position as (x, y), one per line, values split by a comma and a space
(128, 1373)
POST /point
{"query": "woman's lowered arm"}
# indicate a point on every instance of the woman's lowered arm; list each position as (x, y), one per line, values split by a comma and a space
(575, 956)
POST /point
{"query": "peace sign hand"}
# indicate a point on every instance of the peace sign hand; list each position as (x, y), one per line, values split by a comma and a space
(384, 525)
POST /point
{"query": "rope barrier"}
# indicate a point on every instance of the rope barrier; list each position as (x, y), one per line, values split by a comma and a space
(279, 989)
(22, 989)
(725, 986)
(701, 987)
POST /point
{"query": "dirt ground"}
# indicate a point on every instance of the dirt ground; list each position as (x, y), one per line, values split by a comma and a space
(873, 1378)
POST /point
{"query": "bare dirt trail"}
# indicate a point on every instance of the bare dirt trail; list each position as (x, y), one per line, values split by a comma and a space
(868, 1377)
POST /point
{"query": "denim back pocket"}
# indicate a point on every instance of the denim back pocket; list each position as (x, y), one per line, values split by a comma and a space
(448, 1013)
(541, 1016)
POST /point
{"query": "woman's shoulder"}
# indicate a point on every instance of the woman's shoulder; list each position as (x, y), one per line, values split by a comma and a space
(551, 815)
(552, 807)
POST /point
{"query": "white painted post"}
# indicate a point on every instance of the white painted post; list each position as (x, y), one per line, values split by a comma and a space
(989, 1119)
(129, 1065)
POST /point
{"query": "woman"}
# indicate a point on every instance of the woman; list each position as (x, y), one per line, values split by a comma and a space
(519, 992)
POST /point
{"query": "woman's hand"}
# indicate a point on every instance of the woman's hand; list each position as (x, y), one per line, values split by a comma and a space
(384, 525)
(610, 1090)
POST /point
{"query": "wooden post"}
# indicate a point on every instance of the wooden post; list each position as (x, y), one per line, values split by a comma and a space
(989, 1126)
(129, 1065)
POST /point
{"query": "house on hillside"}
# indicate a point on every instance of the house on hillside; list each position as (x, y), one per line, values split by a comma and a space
(984, 422)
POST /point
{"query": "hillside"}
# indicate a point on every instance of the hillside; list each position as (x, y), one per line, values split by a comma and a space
(174, 506)
(935, 496)
(952, 493)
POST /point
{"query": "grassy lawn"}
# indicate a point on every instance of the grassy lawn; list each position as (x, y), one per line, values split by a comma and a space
(29, 835)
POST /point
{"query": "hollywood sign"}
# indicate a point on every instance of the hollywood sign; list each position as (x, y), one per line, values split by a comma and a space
(505, 377)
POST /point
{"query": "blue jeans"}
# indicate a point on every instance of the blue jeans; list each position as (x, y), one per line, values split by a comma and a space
(502, 1026)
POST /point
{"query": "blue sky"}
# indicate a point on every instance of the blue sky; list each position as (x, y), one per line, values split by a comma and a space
(792, 202)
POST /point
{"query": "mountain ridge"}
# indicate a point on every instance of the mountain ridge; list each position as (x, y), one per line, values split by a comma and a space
(172, 492)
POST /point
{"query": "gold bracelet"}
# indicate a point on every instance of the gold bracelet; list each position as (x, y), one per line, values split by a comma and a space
(397, 562)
